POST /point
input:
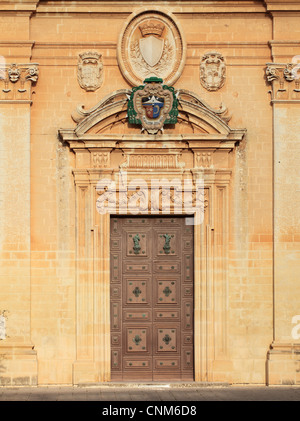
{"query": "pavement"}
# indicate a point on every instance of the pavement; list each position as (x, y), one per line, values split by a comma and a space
(145, 393)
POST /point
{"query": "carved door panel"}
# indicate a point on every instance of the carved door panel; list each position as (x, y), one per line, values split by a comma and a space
(151, 298)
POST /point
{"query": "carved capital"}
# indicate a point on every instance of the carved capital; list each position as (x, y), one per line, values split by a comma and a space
(285, 81)
(16, 81)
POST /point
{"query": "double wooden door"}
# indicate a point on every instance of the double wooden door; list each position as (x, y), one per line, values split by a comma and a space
(151, 299)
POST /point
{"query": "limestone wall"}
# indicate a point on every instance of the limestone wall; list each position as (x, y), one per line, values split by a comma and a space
(39, 254)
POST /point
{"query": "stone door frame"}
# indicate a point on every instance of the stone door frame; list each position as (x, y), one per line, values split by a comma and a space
(98, 155)
(93, 280)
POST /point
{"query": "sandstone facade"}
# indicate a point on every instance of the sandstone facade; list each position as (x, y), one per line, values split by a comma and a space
(67, 72)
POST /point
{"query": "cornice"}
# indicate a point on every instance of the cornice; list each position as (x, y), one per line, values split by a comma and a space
(18, 6)
(17, 43)
(282, 5)
(125, 6)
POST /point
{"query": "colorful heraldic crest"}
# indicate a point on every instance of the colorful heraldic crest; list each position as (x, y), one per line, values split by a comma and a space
(153, 105)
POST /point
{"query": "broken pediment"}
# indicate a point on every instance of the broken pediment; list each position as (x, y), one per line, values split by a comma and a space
(104, 139)
(110, 116)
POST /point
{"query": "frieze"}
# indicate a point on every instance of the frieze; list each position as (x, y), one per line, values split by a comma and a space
(157, 161)
(152, 199)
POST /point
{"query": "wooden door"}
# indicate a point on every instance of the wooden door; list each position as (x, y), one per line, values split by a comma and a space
(151, 299)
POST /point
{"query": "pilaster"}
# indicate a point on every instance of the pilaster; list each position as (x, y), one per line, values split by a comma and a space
(17, 354)
(283, 356)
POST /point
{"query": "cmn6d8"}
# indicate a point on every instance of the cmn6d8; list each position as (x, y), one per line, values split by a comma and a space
(171, 410)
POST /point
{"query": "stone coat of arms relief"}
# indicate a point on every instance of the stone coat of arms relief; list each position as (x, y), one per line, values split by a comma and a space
(90, 70)
(151, 45)
(212, 71)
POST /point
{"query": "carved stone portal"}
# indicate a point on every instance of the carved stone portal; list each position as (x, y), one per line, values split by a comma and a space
(122, 172)
(212, 71)
(90, 70)
(151, 44)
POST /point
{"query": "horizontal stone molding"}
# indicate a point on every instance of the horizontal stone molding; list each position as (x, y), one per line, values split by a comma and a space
(180, 7)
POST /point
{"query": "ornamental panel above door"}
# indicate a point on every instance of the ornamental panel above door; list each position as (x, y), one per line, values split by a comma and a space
(151, 299)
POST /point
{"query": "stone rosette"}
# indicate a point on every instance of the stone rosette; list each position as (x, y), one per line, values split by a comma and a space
(156, 31)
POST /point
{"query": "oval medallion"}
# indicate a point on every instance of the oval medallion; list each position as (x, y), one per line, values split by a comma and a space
(151, 44)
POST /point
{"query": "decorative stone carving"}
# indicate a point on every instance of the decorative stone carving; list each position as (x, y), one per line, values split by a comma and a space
(152, 105)
(202, 159)
(14, 78)
(32, 74)
(151, 44)
(90, 70)
(14, 73)
(101, 159)
(289, 72)
(285, 81)
(110, 200)
(212, 71)
(148, 160)
(119, 97)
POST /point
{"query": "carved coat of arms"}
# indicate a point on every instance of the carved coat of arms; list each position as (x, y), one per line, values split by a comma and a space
(151, 45)
(152, 105)
(89, 70)
(212, 71)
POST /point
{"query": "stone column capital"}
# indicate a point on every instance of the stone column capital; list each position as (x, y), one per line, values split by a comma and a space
(17, 80)
(285, 81)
